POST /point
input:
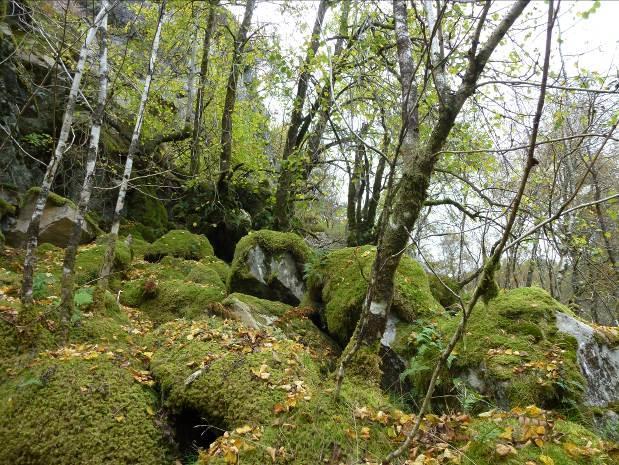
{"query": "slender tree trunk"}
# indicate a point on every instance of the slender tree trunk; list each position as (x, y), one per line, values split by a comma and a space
(191, 75)
(418, 165)
(200, 97)
(286, 176)
(225, 158)
(532, 262)
(32, 233)
(68, 267)
(108, 260)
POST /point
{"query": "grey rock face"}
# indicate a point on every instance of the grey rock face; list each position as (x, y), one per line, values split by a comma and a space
(276, 277)
(599, 363)
(56, 225)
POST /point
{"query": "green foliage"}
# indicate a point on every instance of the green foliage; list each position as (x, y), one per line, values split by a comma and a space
(83, 297)
(179, 243)
(41, 283)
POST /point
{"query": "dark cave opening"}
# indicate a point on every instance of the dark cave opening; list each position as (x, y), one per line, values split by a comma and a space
(192, 431)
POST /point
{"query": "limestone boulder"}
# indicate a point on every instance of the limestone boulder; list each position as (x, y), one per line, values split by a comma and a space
(57, 222)
(270, 265)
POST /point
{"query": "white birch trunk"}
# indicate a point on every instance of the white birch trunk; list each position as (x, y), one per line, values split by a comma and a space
(68, 269)
(61, 147)
(191, 77)
(108, 260)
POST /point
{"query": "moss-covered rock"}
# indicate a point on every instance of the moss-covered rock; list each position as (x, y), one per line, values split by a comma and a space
(89, 259)
(270, 265)
(73, 410)
(511, 352)
(149, 214)
(173, 288)
(6, 208)
(253, 383)
(221, 267)
(295, 323)
(340, 282)
(179, 243)
(440, 292)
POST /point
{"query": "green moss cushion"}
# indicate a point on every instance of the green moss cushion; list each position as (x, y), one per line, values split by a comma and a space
(340, 281)
(76, 411)
(179, 243)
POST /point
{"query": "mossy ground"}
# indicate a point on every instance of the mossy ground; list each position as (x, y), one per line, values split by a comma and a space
(439, 287)
(173, 288)
(179, 243)
(92, 401)
(82, 409)
(340, 281)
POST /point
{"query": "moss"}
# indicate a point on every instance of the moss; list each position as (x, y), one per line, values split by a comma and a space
(168, 294)
(149, 213)
(221, 267)
(585, 447)
(78, 411)
(179, 243)
(274, 244)
(54, 199)
(340, 282)
(441, 293)
(90, 258)
(513, 344)
(6, 208)
(243, 378)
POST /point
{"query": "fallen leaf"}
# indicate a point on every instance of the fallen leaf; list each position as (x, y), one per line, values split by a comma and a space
(504, 450)
(546, 460)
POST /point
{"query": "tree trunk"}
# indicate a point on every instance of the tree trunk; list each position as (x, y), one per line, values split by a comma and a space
(286, 176)
(194, 168)
(191, 75)
(418, 165)
(225, 158)
(108, 260)
(32, 233)
(68, 267)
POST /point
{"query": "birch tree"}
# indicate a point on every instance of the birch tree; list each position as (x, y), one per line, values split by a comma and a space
(68, 267)
(32, 234)
(134, 145)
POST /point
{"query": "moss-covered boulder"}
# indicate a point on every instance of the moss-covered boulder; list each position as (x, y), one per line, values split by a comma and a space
(270, 265)
(79, 409)
(179, 243)
(294, 322)
(57, 221)
(148, 213)
(511, 352)
(339, 281)
(257, 385)
(89, 259)
(443, 288)
(173, 288)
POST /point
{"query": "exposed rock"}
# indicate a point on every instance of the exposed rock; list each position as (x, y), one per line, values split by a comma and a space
(269, 265)
(599, 363)
(57, 222)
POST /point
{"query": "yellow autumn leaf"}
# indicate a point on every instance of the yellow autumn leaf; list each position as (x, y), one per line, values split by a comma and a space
(150, 410)
(533, 411)
(507, 433)
(572, 449)
(546, 460)
(539, 442)
(243, 429)
(505, 449)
